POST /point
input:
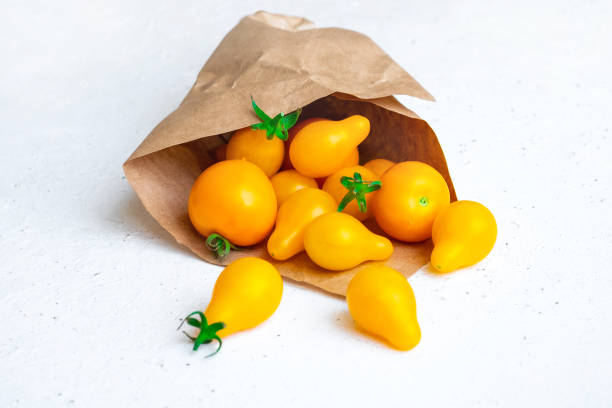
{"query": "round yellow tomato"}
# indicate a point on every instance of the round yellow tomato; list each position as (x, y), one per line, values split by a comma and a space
(337, 241)
(412, 195)
(463, 234)
(382, 302)
(378, 166)
(235, 199)
(288, 182)
(335, 188)
(253, 145)
(246, 293)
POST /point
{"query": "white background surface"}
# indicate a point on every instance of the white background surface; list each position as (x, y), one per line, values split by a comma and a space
(91, 288)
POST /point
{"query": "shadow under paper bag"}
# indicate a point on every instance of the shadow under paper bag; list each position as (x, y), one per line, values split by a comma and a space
(285, 64)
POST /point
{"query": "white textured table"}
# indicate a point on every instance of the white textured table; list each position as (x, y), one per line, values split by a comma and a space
(92, 288)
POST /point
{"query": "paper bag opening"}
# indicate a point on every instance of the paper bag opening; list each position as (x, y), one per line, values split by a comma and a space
(285, 64)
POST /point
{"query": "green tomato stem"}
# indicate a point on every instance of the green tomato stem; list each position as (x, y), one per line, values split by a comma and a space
(357, 190)
(277, 126)
(207, 334)
(220, 245)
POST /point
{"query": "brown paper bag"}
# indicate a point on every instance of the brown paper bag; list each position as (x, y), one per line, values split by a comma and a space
(284, 63)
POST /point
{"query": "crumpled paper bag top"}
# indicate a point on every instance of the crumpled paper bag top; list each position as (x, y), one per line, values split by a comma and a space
(284, 63)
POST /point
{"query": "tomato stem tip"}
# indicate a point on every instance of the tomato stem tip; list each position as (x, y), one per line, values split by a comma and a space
(207, 334)
(357, 190)
(277, 126)
(219, 245)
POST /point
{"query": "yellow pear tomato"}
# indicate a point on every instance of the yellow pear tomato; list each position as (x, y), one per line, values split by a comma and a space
(337, 241)
(246, 293)
(299, 210)
(351, 160)
(321, 147)
(254, 146)
(287, 182)
(382, 302)
(463, 234)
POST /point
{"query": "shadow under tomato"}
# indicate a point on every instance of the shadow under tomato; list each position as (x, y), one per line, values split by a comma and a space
(431, 271)
(345, 320)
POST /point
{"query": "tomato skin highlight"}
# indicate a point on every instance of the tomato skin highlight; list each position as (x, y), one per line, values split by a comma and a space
(253, 146)
(233, 198)
(382, 302)
(412, 195)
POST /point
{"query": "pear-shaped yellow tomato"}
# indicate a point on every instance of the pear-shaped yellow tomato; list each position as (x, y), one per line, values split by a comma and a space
(351, 160)
(246, 293)
(287, 182)
(337, 241)
(335, 188)
(412, 195)
(253, 145)
(234, 199)
(299, 210)
(463, 234)
(320, 148)
(378, 166)
(382, 303)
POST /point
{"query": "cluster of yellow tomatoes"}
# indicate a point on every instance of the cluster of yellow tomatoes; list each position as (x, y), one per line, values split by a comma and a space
(300, 185)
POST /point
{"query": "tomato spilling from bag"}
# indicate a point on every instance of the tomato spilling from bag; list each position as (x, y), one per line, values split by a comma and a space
(337, 241)
(382, 303)
(246, 293)
(463, 234)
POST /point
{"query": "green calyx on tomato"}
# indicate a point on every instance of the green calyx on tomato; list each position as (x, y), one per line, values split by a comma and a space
(277, 126)
(207, 333)
(219, 245)
(357, 189)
